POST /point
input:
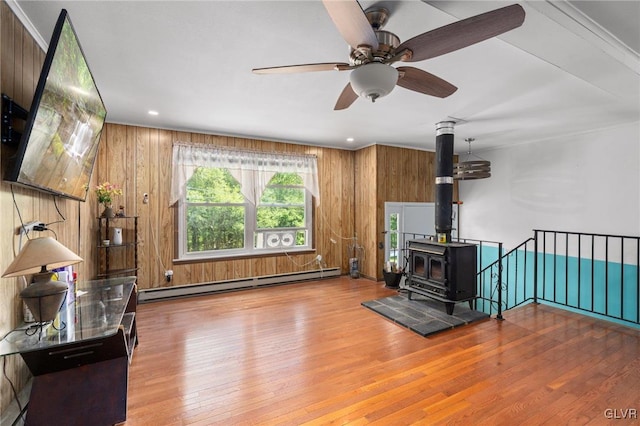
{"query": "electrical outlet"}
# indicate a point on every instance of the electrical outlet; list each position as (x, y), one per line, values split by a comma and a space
(31, 226)
(145, 198)
(319, 258)
(168, 275)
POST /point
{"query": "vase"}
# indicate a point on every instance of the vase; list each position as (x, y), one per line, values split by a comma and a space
(108, 212)
(117, 236)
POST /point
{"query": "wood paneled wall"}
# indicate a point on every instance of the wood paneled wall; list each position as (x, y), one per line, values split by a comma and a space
(20, 64)
(353, 189)
(365, 214)
(139, 159)
(387, 174)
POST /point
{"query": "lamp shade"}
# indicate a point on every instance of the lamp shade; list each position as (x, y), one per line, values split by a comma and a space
(373, 80)
(39, 255)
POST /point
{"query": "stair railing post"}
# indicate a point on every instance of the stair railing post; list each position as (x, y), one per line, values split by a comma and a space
(535, 266)
(499, 316)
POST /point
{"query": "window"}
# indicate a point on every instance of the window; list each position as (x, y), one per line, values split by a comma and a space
(393, 251)
(227, 211)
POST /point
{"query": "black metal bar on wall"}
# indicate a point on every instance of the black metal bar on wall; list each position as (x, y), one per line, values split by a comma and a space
(579, 270)
(606, 276)
(515, 288)
(499, 315)
(535, 266)
(622, 276)
(555, 264)
(593, 266)
(566, 268)
(544, 265)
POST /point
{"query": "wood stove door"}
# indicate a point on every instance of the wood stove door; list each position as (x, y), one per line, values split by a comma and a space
(437, 268)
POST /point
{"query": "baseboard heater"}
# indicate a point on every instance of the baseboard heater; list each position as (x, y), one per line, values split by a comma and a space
(157, 294)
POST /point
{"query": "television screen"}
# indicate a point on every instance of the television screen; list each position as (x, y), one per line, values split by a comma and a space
(58, 148)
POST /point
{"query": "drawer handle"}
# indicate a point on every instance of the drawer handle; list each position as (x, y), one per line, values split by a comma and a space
(62, 351)
(78, 354)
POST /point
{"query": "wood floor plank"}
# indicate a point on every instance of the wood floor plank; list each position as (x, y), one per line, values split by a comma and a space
(309, 353)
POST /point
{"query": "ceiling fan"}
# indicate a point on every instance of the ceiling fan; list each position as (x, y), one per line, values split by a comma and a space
(374, 50)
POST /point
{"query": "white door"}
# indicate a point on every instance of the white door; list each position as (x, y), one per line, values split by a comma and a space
(406, 221)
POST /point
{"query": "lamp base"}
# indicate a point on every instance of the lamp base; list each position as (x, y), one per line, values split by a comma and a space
(44, 299)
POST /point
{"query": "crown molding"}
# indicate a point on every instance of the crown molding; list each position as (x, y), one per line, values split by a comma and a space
(574, 20)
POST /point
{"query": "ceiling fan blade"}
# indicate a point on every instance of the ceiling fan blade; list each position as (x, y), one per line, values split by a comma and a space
(463, 33)
(346, 98)
(421, 81)
(351, 22)
(289, 69)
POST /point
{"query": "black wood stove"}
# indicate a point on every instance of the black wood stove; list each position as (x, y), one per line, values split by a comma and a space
(442, 271)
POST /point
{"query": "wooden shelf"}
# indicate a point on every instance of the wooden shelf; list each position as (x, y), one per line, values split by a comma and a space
(117, 245)
(123, 259)
(114, 272)
(128, 324)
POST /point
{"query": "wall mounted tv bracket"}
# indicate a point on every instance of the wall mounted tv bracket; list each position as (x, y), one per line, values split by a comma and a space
(11, 111)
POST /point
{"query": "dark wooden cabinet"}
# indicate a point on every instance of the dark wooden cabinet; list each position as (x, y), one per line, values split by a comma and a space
(117, 259)
(81, 368)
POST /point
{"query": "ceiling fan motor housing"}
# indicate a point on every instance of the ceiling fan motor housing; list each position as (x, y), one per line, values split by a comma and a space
(387, 44)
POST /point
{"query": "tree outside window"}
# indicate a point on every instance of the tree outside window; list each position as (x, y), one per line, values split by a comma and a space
(215, 211)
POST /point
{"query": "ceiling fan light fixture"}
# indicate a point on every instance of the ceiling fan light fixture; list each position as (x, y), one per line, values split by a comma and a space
(373, 80)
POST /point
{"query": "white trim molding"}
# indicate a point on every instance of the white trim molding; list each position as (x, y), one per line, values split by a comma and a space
(24, 19)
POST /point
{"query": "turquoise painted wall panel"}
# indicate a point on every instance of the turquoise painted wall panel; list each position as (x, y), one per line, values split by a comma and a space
(606, 288)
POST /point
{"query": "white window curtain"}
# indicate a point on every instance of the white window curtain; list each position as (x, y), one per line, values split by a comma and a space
(252, 169)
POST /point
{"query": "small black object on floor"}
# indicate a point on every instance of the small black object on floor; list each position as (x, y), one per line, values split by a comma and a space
(423, 315)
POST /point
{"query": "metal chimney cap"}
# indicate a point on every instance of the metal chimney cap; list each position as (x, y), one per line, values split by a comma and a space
(445, 128)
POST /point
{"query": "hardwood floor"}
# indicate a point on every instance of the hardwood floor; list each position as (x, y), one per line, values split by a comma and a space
(309, 353)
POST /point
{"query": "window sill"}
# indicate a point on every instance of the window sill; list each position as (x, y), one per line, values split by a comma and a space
(241, 256)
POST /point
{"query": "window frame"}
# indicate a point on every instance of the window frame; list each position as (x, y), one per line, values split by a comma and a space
(250, 229)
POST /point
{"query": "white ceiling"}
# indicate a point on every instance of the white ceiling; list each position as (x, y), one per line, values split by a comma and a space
(560, 73)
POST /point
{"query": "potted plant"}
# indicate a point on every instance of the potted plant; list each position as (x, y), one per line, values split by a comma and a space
(392, 275)
(106, 192)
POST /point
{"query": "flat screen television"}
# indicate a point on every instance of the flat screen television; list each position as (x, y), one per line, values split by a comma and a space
(59, 145)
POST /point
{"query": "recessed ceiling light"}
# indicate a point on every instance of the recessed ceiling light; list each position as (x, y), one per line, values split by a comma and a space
(151, 112)
(350, 139)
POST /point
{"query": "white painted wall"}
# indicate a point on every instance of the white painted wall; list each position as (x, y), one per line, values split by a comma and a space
(583, 183)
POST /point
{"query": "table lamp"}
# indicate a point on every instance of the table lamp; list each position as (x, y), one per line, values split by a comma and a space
(44, 297)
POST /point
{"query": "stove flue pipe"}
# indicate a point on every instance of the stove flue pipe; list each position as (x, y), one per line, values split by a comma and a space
(444, 180)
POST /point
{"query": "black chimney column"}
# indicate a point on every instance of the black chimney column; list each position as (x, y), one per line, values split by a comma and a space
(444, 180)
